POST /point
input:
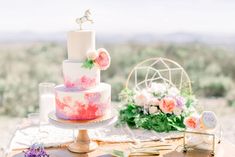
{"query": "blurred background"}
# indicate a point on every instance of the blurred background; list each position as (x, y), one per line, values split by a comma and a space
(200, 35)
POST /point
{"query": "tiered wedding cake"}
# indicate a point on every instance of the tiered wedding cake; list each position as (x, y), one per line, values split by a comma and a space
(83, 96)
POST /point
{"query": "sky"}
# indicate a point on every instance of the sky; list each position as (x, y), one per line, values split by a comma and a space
(119, 16)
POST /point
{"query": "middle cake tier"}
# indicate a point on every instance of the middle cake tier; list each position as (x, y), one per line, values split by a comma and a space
(75, 75)
(74, 104)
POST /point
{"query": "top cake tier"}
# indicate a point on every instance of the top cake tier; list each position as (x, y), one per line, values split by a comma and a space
(79, 42)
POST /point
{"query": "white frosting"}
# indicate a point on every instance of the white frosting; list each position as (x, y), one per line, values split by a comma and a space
(79, 42)
(77, 76)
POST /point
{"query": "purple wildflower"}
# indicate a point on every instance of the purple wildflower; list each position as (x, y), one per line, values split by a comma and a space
(180, 102)
(36, 150)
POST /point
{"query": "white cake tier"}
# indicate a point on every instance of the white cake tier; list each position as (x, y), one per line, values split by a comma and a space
(79, 42)
(72, 104)
(77, 76)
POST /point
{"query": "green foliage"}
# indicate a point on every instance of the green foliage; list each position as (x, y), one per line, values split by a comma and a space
(134, 116)
(126, 95)
(88, 64)
(190, 101)
(23, 67)
(116, 153)
(138, 117)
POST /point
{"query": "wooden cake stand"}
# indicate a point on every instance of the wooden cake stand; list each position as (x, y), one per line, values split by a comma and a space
(83, 143)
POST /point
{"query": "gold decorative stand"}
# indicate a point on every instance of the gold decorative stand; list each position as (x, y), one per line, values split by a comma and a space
(83, 143)
(186, 147)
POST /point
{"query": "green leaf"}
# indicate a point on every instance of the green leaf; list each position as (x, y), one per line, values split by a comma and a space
(116, 153)
(88, 64)
(126, 95)
(134, 117)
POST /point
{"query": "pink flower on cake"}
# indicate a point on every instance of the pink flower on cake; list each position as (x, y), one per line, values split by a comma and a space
(83, 83)
(92, 54)
(192, 122)
(67, 99)
(167, 105)
(68, 83)
(101, 110)
(103, 59)
(92, 97)
(86, 82)
(86, 111)
(69, 112)
(59, 104)
(78, 103)
(103, 106)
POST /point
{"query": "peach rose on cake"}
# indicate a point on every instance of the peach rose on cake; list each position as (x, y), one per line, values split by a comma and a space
(192, 122)
(167, 105)
(142, 98)
(92, 54)
(103, 59)
(86, 82)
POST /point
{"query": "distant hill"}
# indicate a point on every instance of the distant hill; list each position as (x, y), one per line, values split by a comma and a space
(179, 37)
(31, 36)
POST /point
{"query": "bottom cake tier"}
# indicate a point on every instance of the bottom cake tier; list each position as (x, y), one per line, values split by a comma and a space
(74, 104)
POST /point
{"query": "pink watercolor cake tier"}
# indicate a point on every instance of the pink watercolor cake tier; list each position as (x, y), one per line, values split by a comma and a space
(76, 76)
(74, 104)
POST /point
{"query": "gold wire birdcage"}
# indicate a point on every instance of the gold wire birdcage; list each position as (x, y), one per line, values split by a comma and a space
(160, 70)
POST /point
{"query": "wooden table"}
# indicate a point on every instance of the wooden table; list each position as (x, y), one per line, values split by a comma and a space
(224, 149)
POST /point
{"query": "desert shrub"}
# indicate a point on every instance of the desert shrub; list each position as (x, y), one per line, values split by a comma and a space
(215, 86)
(22, 69)
(231, 97)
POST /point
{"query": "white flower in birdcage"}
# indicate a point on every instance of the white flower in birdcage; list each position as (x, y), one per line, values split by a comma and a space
(153, 110)
(173, 91)
(154, 101)
(142, 98)
(177, 111)
(158, 88)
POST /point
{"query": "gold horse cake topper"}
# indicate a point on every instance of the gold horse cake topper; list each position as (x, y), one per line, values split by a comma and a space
(85, 18)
